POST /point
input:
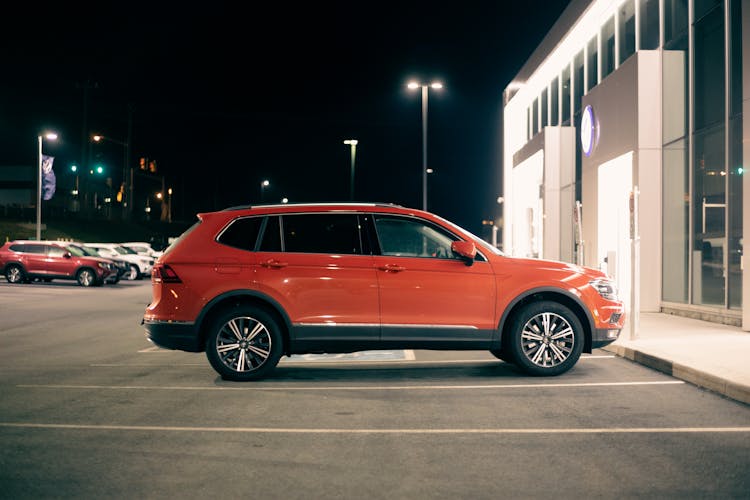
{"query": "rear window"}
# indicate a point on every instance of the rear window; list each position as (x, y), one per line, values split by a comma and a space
(242, 233)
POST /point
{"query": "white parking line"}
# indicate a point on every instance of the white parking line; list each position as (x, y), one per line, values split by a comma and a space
(293, 430)
(352, 388)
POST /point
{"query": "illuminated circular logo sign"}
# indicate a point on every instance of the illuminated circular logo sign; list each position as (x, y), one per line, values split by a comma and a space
(589, 131)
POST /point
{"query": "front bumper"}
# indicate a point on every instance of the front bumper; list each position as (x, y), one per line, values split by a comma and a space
(604, 336)
(177, 335)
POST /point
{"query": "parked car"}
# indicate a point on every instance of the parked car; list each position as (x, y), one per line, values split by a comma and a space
(140, 265)
(142, 248)
(250, 284)
(122, 267)
(22, 261)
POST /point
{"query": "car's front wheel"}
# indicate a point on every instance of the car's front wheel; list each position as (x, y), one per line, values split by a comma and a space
(15, 274)
(244, 343)
(134, 273)
(86, 277)
(545, 338)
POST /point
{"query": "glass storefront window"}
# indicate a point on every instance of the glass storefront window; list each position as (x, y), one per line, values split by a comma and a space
(626, 22)
(577, 82)
(736, 173)
(566, 95)
(649, 24)
(703, 7)
(608, 47)
(593, 64)
(735, 68)
(675, 21)
(709, 69)
(709, 216)
(675, 232)
(554, 102)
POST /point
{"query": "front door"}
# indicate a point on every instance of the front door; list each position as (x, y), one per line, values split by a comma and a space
(426, 292)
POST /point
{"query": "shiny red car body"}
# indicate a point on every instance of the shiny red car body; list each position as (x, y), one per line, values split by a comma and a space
(249, 284)
(22, 261)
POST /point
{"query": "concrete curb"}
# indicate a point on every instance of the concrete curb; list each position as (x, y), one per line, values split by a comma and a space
(733, 390)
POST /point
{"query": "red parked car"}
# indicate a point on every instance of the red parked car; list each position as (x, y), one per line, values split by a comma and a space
(22, 261)
(250, 284)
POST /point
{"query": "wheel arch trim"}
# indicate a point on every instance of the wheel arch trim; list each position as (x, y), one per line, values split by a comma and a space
(215, 304)
(582, 311)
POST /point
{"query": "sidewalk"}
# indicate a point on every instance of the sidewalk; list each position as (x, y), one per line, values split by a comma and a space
(709, 355)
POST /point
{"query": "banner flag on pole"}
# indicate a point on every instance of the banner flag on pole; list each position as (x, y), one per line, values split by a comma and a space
(48, 177)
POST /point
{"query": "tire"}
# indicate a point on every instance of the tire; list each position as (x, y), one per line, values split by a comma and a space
(86, 277)
(501, 355)
(134, 273)
(15, 274)
(244, 344)
(545, 339)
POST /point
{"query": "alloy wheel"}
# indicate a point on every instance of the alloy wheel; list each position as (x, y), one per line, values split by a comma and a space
(547, 339)
(243, 344)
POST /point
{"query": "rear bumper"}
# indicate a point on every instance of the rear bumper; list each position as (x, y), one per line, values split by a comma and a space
(181, 336)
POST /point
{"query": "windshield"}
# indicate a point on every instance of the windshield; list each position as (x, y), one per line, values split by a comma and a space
(77, 251)
(484, 244)
(124, 251)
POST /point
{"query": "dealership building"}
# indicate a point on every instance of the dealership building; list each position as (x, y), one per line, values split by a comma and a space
(624, 149)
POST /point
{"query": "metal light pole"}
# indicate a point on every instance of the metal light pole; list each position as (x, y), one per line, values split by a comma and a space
(425, 90)
(127, 194)
(169, 205)
(352, 143)
(51, 136)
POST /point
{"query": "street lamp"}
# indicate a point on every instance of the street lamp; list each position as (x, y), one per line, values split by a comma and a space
(263, 185)
(169, 205)
(51, 136)
(352, 143)
(425, 88)
(127, 200)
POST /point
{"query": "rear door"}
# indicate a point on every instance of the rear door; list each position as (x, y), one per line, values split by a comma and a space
(321, 271)
(34, 258)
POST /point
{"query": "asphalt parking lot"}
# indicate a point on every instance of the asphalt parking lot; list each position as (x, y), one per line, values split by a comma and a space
(91, 409)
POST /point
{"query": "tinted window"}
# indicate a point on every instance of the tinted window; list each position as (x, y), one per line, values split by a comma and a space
(242, 233)
(412, 238)
(271, 236)
(18, 248)
(322, 233)
(38, 249)
(55, 251)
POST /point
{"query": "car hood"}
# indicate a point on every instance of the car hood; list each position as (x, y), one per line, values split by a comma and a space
(554, 265)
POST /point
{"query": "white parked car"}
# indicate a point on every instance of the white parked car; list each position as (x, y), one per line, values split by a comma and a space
(143, 248)
(140, 265)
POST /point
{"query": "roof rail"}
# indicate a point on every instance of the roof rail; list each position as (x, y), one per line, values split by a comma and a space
(314, 204)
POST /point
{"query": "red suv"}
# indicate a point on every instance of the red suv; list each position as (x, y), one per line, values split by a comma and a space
(250, 284)
(22, 261)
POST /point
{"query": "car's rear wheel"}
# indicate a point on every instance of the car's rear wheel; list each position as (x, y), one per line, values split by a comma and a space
(86, 277)
(244, 343)
(134, 273)
(546, 338)
(15, 274)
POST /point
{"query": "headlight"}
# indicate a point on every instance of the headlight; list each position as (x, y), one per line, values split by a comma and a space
(605, 287)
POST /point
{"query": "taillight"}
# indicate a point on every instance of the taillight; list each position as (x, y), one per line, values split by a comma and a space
(162, 273)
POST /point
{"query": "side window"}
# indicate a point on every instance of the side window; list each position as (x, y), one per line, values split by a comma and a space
(18, 248)
(322, 233)
(55, 251)
(271, 241)
(35, 249)
(412, 238)
(242, 233)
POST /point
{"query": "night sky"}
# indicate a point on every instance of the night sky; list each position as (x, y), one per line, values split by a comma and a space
(224, 97)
